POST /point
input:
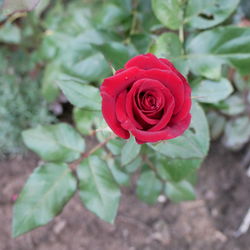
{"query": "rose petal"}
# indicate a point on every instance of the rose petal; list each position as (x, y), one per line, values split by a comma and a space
(171, 80)
(175, 130)
(115, 84)
(134, 113)
(147, 61)
(108, 111)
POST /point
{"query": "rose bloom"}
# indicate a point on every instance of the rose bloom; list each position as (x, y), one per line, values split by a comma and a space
(148, 98)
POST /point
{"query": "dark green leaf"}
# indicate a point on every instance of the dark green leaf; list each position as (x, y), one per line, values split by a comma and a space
(134, 165)
(130, 151)
(209, 91)
(43, 197)
(223, 45)
(80, 95)
(206, 13)
(98, 190)
(168, 46)
(115, 53)
(176, 169)
(119, 175)
(168, 12)
(148, 187)
(181, 191)
(55, 143)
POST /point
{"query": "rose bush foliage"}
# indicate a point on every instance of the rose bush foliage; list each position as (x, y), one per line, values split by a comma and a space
(156, 132)
(148, 98)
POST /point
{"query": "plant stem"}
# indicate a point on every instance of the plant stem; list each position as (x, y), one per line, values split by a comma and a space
(151, 165)
(75, 163)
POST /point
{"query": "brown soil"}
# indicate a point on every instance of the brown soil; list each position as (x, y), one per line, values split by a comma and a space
(208, 223)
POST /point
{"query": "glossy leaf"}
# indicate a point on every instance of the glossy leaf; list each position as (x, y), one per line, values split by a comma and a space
(80, 95)
(206, 13)
(148, 187)
(130, 151)
(180, 191)
(193, 143)
(55, 143)
(224, 45)
(98, 189)
(209, 91)
(168, 12)
(43, 197)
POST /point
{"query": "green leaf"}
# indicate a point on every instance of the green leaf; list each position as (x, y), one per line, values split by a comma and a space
(241, 83)
(181, 191)
(50, 90)
(98, 190)
(141, 42)
(130, 151)
(175, 169)
(82, 96)
(216, 124)
(224, 45)
(115, 53)
(115, 146)
(134, 165)
(43, 197)
(10, 33)
(55, 143)
(168, 46)
(235, 105)
(206, 13)
(119, 175)
(194, 143)
(84, 120)
(84, 61)
(209, 91)
(148, 187)
(168, 12)
(237, 133)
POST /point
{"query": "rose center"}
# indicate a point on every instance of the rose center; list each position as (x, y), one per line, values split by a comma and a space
(148, 101)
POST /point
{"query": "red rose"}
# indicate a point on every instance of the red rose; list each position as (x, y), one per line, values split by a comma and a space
(149, 98)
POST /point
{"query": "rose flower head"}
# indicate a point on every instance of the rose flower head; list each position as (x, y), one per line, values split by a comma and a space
(148, 98)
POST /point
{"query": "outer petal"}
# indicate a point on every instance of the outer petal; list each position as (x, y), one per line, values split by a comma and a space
(115, 84)
(175, 130)
(147, 61)
(108, 111)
